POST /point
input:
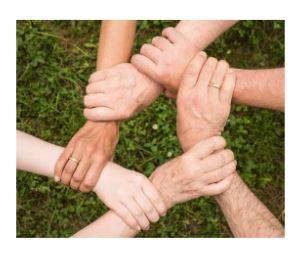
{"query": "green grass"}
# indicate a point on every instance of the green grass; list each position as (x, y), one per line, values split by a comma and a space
(54, 61)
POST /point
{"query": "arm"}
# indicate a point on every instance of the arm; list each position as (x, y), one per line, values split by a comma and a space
(115, 42)
(166, 58)
(203, 32)
(198, 119)
(261, 88)
(41, 159)
(200, 171)
(94, 144)
(246, 215)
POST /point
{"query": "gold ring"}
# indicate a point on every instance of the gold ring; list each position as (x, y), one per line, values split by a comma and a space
(215, 85)
(74, 160)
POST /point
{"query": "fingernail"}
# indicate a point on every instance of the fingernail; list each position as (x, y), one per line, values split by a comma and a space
(138, 228)
(56, 178)
(231, 71)
(203, 54)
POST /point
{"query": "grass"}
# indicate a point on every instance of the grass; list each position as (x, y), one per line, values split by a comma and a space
(54, 61)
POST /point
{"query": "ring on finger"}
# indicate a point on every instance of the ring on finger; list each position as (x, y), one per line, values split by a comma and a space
(74, 160)
(215, 85)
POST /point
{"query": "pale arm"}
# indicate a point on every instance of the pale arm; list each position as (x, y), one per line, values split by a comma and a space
(37, 156)
(203, 32)
(246, 215)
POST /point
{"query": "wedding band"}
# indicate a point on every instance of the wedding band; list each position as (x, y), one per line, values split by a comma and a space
(215, 85)
(74, 160)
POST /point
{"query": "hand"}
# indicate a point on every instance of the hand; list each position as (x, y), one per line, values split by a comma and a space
(92, 146)
(131, 195)
(118, 93)
(165, 59)
(206, 169)
(203, 109)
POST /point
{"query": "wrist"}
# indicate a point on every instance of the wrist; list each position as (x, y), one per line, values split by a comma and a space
(158, 183)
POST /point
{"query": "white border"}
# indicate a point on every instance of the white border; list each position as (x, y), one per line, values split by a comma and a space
(296, 128)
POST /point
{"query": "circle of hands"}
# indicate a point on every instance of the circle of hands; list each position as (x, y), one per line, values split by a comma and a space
(203, 89)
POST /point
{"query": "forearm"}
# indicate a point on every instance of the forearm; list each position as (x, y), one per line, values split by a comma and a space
(261, 88)
(115, 42)
(108, 225)
(246, 215)
(37, 156)
(203, 32)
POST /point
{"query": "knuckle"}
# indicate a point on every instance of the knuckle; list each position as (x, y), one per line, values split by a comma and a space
(139, 214)
(168, 30)
(89, 183)
(221, 158)
(161, 72)
(155, 39)
(230, 153)
(77, 177)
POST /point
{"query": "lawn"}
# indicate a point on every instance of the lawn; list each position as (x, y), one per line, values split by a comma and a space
(54, 61)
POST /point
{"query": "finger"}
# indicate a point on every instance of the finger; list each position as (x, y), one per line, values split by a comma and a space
(62, 161)
(191, 73)
(228, 87)
(221, 173)
(98, 76)
(172, 34)
(144, 65)
(161, 43)
(206, 74)
(126, 216)
(96, 100)
(79, 174)
(71, 165)
(147, 207)
(101, 114)
(219, 187)
(155, 198)
(137, 212)
(151, 52)
(206, 147)
(170, 94)
(217, 80)
(91, 177)
(97, 87)
(217, 160)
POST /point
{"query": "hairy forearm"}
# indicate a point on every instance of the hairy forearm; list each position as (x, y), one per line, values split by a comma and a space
(261, 88)
(246, 215)
(203, 32)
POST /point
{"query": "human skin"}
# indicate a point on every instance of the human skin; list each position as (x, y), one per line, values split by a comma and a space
(206, 169)
(117, 93)
(128, 193)
(94, 144)
(202, 110)
(246, 215)
(165, 59)
(99, 106)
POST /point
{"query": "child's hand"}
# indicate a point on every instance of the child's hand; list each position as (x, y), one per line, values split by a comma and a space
(131, 195)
